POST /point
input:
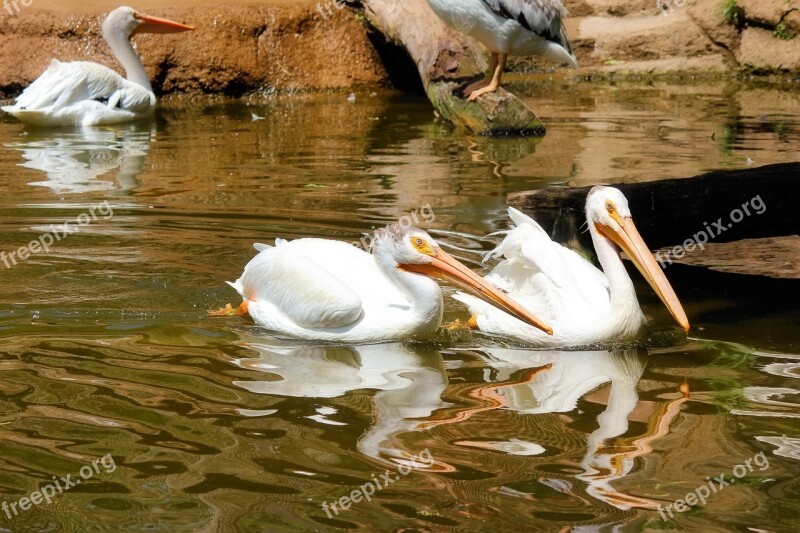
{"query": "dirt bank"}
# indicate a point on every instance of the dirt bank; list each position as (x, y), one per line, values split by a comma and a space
(236, 47)
(289, 45)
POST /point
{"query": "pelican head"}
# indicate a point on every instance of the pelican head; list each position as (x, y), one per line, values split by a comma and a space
(413, 250)
(127, 21)
(607, 208)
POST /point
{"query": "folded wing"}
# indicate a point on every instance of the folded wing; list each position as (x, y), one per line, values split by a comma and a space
(294, 279)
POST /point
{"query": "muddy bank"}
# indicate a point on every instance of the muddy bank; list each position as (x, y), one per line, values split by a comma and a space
(305, 45)
(236, 48)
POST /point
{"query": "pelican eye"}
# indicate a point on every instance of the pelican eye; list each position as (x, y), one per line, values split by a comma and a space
(421, 245)
(610, 207)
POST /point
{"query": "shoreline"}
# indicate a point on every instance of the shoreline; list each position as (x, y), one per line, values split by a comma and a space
(286, 46)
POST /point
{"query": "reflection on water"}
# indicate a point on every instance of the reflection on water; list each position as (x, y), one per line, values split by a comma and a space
(74, 161)
(216, 425)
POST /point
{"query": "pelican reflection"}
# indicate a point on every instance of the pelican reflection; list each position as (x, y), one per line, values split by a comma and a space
(408, 383)
(83, 160)
(557, 382)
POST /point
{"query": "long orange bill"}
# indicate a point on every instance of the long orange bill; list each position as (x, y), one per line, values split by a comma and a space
(445, 266)
(159, 25)
(634, 247)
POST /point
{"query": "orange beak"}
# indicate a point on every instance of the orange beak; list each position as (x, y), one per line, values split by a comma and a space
(629, 240)
(444, 266)
(159, 25)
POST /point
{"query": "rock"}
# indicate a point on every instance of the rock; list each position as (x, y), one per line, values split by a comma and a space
(646, 38)
(767, 12)
(578, 8)
(615, 8)
(792, 20)
(761, 50)
(707, 14)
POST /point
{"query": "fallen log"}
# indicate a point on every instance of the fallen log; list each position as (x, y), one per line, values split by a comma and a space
(447, 62)
(773, 257)
(668, 212)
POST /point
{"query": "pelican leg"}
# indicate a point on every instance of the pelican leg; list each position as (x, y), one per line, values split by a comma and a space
(480, 84)
(496, 79)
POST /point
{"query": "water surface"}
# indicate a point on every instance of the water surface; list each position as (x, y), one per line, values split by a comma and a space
(214, 424)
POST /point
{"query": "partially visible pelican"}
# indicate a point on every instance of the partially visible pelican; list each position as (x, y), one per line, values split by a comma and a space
(582, 304)
(82, 93)
(508, 27)
(332, 291)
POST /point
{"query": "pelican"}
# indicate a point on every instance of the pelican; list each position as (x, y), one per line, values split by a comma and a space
(508, 27)
(82, 93)
(332, 291)
(583, 305)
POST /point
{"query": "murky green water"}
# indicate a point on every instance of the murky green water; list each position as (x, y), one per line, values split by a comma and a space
(215, 425)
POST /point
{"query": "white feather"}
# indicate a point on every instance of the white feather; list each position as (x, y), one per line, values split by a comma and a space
(558, 286)
(81, 94)
(497, 25)
(332, 291)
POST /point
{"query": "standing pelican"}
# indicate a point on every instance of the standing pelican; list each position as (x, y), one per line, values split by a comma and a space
(332, 291)
(583, 305)
(82, 93)
(508, 27)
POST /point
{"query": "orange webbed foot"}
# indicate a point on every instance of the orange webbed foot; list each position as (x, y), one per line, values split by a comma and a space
(228, 310)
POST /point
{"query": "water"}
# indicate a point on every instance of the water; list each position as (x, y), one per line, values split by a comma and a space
(213, 424)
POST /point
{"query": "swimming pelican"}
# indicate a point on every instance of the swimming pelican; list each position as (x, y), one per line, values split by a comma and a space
(508, 27)
(583, 305)
(332, 291)
(82, 93)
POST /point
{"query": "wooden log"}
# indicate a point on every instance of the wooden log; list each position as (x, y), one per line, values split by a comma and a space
(447, 62)
(774, 257)
(668, 212)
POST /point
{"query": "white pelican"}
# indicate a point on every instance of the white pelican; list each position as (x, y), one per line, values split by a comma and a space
(508, 27)
(332, 291)
(82, 93)
(583, 305)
